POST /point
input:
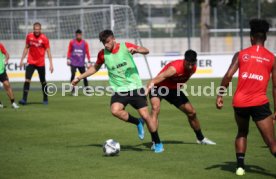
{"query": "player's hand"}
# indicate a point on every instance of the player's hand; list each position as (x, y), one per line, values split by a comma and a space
(132, 50)
(51, 68)
(219, 102)
(89, 64)
(148, 88)
(68, 62)
(75, 81)
(6, 62)
(21, 64)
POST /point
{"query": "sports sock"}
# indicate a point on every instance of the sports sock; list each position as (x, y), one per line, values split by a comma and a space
(199, 135)
(26, 89)
(44, 91)
(155, 137)
(133, 120)
(274, 154)
(0, 102)
(12, 100)
(240, 160)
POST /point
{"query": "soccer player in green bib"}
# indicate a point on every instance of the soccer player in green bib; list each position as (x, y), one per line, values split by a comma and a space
(125, 82)
(4, 57)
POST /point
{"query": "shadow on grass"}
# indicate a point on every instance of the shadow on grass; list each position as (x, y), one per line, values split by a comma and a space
(169, 142)
(231, 167)
(138, 147)
(123, 147)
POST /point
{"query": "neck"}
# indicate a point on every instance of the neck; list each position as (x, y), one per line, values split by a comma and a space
(260, 43)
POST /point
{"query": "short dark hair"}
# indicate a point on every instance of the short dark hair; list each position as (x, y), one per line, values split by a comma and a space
(190, 56)
(105, 34)
(258, 28)
(37, 23)
(78, 31)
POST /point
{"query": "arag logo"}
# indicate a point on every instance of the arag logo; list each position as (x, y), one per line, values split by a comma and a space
(245, 57)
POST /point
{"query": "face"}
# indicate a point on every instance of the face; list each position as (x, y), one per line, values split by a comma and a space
(189, 65)
(109, 43)
(78, 36)
(37, 30)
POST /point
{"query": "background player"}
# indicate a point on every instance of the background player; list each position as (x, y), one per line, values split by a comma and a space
(126, 83)
(77, 50)
(172, 76)
(255, 65)
(36, 44)
(4, 58)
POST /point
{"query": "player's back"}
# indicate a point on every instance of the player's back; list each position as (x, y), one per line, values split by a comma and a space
(255, 65)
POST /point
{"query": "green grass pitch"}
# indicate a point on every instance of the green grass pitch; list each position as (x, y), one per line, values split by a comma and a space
(64, 140)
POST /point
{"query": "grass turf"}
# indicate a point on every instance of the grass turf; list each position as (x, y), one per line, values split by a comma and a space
(64, 140)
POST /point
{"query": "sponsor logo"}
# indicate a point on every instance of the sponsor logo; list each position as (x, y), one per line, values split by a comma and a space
(245, 57)
(252, 76)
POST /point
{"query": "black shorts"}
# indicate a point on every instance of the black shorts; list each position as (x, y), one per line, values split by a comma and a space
(136, 98)
(173, 96)
(40, 69)
(4, 77)
(256, 112)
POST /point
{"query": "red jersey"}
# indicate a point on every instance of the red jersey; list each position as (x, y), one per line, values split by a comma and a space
(37, 48)
(100, 59)
(181, 75)
(255, 66)
(2, 49)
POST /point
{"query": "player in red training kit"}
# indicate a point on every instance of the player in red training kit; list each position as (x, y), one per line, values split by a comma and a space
(255, 65)
(171, 78)
(36, 44)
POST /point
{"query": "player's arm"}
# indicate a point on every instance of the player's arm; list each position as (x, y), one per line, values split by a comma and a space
(69, 53)
(48, 50)
(5, 52)
(88, 54)
(24, 54)
(161, 77)
(227, 79)
(274, 86)
(91, 71)
(136, 49)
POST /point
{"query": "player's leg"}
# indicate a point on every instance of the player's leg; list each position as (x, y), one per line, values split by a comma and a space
(242, 118)
(28, 76)
(118, 104)
(10, 94)
(179, 100)
(263, 118)
(139, 102)
(82, 70)
(155, 108)
(42, 78)
(73, 73)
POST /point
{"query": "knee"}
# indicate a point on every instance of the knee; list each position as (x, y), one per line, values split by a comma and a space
(155, 108)
(115, 112)
(191, 114)
(242, 133)
(27, 81)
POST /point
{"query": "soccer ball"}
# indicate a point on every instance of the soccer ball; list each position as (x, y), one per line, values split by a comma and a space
(111, 147)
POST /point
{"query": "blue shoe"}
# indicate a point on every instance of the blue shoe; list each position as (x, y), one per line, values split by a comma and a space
(140, 127)
(22, 102)
(45, 102)
(159, 148)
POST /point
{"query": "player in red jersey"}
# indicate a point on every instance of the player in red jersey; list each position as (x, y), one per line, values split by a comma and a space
(36, 44)
(171, 78)
(255, 65)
